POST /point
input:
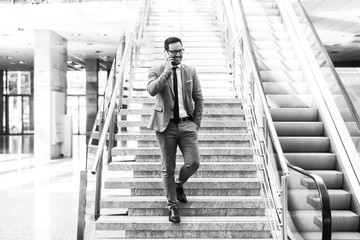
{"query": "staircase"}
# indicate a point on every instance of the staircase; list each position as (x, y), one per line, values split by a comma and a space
(224, 197)
(302, 134)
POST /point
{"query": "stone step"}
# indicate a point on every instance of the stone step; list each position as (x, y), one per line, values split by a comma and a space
(204, 124)
(294, 114)
(189, 44)
(179, 158)
(194, 187)
(299, 128)
(204, 151)
(197, 63)
(196, 205)
(249, 4)
(312, 161)
(305, 144)
(206, 112)
(188, 56)
(181, 34)
(189, 227)
(207, 169)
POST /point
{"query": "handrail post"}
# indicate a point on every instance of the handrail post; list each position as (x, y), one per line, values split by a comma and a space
(99, 173)
(284, 206)
(82, 205)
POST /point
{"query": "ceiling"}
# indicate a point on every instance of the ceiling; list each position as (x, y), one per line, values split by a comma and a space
(93, 29)
(338, 25)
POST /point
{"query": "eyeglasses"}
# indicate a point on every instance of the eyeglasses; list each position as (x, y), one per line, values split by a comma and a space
(174, 52)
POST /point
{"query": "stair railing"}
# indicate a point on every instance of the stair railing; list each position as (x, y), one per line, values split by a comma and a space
(126, 56)
(244, 73)
(267, 149)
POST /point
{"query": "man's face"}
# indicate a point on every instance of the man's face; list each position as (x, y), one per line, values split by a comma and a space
(176, 52)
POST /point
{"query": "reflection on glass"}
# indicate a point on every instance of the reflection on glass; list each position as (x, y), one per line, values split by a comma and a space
(76, 82)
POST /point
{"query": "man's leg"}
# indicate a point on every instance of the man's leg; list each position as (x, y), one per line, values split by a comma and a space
(168, 144)
(188, 143)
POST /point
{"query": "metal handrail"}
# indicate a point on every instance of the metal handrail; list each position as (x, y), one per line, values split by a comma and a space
(343, 90)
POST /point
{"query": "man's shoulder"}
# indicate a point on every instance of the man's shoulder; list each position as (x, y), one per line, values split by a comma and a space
(188, 67)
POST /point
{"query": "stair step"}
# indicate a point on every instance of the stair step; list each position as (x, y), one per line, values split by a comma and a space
(209, 112)
(273, 45)
(196, 205)
(285, 88)
(190, 227)
(220, 151)
(342, 220)
(334, 235)
(290, 101)
(179, 158)
(304, 220)
(281, 65)
(266, 27)
(276, 54)
(332, 179)
(312, 161)
(194, 187)
(339, 200)
(282, 76)
(294, 114)
(264, 19)
(299, 128)
(207, 170)
(305, 144)
(204, 124)
(267, 36)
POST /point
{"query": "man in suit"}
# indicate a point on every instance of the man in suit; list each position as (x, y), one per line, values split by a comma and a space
(176, 118)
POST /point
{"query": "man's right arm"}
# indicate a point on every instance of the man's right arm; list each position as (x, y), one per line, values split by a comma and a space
(155, 82)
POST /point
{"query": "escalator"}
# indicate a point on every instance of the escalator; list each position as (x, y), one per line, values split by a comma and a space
(306, 121)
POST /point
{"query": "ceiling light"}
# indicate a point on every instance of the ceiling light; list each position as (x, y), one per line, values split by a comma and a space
(101, 34)
(8, 57)
(76, 34)
(22, 62)
(21, 29)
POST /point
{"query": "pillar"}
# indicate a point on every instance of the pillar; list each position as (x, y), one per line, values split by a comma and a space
(92, 83)
(50, 66)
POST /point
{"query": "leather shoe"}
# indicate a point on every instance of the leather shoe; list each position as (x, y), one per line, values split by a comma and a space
(181, 195)
(174, 215)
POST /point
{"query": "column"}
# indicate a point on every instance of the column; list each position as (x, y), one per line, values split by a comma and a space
(92, 83)
(50, 56)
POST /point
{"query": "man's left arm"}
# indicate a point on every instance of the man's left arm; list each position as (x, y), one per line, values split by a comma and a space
(198, 99)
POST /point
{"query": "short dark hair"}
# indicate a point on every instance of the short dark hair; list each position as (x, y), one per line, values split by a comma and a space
(170, 40)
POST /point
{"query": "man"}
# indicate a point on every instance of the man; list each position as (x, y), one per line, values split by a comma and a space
(176, 118)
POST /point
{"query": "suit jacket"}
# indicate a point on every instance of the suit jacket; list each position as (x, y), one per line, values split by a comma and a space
(159, 85)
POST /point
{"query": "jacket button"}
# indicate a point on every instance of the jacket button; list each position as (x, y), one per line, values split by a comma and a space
(171, 109)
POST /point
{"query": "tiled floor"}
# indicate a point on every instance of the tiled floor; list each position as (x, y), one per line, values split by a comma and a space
(38, 199)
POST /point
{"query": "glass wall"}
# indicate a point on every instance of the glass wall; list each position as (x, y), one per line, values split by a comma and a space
(18, 100)
(18, 103)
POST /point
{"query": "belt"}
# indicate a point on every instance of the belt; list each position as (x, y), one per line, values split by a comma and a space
(181, 119)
